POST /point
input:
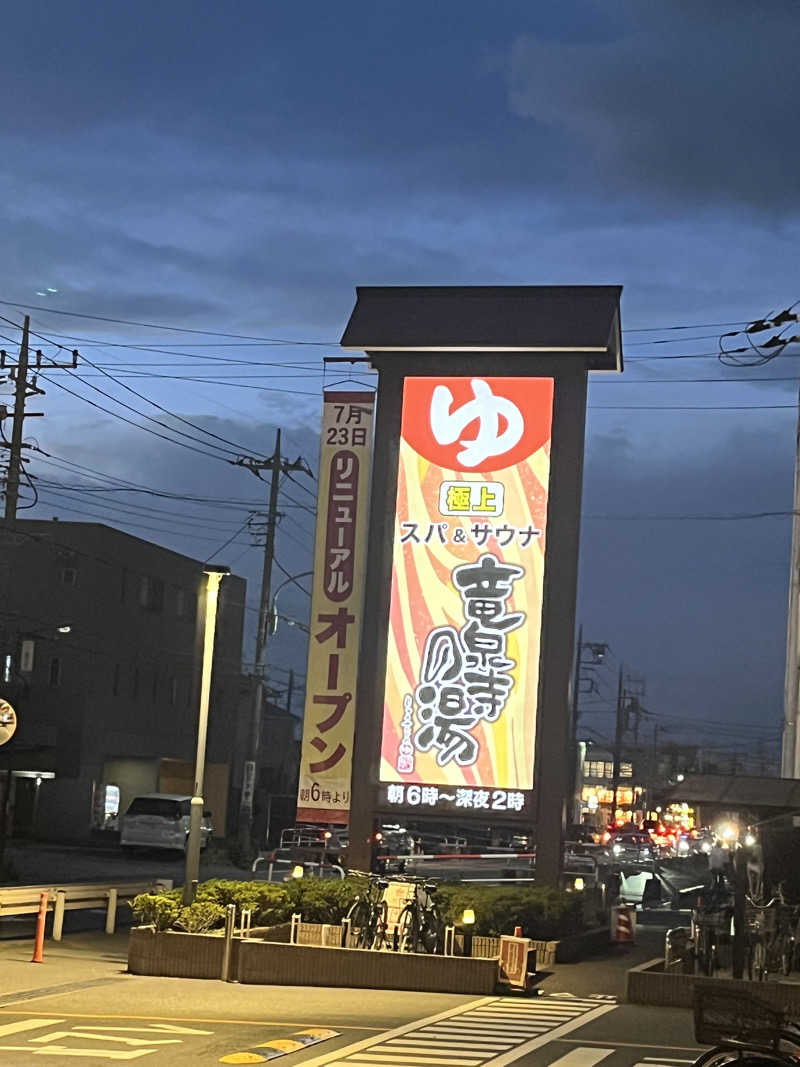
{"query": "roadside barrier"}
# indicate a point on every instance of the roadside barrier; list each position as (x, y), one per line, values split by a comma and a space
(31, 899)
(623, 923)
(38, 944)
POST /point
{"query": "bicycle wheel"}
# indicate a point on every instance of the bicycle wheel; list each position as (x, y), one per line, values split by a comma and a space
(787, 955)
(706, 954)
(432, 933)
(408, 929)
(759, 961)
(359, 922)
(746, 1057)
(379, 925)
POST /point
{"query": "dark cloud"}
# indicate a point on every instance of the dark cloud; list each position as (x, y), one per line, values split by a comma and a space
(693, 102)
(243, 168)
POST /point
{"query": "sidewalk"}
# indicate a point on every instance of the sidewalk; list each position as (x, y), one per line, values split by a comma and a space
(606, 973)
(80, 960)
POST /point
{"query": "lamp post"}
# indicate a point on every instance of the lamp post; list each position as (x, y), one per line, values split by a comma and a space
(215, 575)
(273, 608)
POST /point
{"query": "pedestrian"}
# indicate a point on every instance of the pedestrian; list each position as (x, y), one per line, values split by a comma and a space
(717, 862)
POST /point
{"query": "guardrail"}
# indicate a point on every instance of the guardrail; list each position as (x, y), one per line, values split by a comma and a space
(25, 899)
(310, 867)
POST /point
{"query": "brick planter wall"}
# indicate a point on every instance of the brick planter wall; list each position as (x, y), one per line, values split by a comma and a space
(276, 964)
(176, 955)
(650, 984)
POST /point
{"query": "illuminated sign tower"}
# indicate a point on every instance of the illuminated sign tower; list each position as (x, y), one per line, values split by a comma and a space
(464, 670)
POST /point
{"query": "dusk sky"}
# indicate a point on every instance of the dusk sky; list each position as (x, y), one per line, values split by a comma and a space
(239, 168)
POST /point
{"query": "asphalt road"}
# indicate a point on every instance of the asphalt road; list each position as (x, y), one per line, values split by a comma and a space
(81, 1005)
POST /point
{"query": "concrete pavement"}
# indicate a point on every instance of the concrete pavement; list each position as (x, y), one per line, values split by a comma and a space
(80, 1004)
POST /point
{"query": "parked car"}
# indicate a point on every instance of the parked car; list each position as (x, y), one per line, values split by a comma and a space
(631, 848)
(161, 820)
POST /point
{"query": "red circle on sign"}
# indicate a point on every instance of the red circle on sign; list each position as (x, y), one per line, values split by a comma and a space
(477, 424)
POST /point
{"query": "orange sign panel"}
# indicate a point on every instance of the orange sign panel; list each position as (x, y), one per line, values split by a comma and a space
(462, 672)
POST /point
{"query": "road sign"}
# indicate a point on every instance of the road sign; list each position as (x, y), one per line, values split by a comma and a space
(8, 721)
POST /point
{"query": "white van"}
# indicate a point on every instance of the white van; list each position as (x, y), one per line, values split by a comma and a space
(161, 820)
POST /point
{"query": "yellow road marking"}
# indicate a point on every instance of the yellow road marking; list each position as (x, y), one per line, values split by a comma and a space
(78, 1033)
(170, 1019)
(284, 1045)
(159, 1028)
(28, 1024)
(243, 1057)
(62, 1050)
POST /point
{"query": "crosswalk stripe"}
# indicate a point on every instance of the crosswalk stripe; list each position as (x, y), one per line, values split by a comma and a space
(508, 1013)
(496, 1031)
(551, 1035)
(451, 1041)
(520, 1009)
(583, 1057)
(488, 1028)
(407, 1060)
(460, 1034)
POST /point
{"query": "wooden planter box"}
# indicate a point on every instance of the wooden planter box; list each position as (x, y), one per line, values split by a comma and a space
(254, 961)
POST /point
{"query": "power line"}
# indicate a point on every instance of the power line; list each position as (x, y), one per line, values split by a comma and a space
(169, 329)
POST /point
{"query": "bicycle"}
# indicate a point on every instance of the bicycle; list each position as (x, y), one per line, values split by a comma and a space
(710, 931)
(421, 928)
(742, 1030)
(368, 915)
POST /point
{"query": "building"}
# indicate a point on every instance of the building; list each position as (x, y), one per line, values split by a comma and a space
(597, 788)
(100, 649)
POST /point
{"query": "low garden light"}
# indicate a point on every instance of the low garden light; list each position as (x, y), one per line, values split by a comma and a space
(468, 923)
(297, 872)
(578, 884)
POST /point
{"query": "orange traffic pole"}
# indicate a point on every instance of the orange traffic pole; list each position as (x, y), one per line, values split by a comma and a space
(38, 945)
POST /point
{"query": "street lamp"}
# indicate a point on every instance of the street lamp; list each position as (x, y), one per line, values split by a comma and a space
(273, 608)
(215, 575)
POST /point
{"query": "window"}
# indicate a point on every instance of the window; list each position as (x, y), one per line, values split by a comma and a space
(69, 576)
(123, 585)
(55, 671)
(151, 594)
(180, 602)
(173, 690)
(626, 770)
(8, 667)
(162, 807)
(115, 681)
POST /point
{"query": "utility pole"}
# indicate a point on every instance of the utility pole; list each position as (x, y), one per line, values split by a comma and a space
(20, 396)
(290, 693)
(618, 739)
(573, 732)
(22, 390)
(276, 465)
(791, 692)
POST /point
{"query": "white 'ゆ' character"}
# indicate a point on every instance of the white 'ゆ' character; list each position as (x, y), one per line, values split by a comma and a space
(485, 409)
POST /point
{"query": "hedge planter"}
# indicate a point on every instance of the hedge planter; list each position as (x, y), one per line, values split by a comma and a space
(259, 962)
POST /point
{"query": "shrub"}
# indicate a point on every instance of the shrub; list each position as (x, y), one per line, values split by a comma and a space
(543, 913)
(159, 910)
(322, 900)
(200, 917)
